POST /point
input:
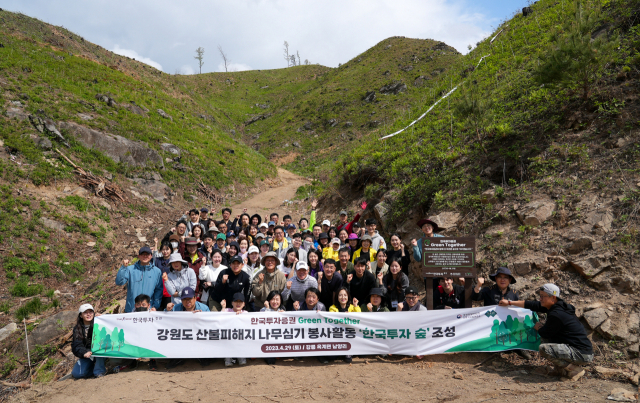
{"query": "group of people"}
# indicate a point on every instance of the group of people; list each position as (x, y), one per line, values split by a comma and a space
(251, 265)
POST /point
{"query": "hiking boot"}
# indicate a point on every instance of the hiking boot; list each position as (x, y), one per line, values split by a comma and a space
(242, 361)
(153, 365)
(270, 361)
(574, 372)
(348, 359)
(228, 362)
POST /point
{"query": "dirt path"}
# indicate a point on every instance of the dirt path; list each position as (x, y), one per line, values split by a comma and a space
(366, 380)
(272, 199)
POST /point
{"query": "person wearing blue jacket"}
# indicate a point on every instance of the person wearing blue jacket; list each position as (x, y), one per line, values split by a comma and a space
(142, 277)
(429, 228)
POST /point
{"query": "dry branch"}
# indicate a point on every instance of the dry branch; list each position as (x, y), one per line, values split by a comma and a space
(210, 194)
(100, 186)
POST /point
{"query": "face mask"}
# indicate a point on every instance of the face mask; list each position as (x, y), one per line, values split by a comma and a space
(174, 245)
(141, 309)
(243, 249)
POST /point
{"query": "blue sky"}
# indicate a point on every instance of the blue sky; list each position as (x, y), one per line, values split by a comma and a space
(165, 33)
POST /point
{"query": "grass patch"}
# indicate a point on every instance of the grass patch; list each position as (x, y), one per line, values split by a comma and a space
(32, 307)
(80, 203)
(22, 288)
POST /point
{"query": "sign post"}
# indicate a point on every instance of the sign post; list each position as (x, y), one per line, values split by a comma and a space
(452, 257)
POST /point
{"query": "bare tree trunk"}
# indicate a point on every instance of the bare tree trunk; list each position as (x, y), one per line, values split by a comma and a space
(225, 59)
(286, 53)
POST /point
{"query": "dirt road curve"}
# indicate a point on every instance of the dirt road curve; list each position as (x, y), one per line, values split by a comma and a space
(272, 199)
(366, 380)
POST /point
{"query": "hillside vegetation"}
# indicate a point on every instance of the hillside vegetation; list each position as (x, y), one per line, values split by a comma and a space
(306, 116)
(56, 74)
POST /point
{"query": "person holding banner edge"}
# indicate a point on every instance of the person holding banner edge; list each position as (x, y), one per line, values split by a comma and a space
(564, 340)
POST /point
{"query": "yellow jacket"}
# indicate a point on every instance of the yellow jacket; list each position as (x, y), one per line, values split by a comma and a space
(329, 253)
(372, 255)
(352, 308)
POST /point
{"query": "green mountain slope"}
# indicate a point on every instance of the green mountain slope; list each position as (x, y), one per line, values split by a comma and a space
(504, 126)
(312, 114)
(55, 73)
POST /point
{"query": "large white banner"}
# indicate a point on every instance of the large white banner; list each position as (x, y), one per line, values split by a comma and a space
(294, 334)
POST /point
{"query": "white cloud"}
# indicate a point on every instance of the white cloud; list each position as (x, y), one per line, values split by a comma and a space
(234, 67)
(134, 55)
(327, 32)
(186, 69)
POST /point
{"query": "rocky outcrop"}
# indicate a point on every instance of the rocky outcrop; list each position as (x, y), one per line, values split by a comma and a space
(393, 88)
(536, 212)
(17, 113)
(164, 114)
(369, 96)
(154, 187)
(171, 149)
(118, 148)
(50, 328)
(257, 118)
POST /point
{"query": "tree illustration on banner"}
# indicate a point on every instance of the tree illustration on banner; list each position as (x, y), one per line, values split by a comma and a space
(511, 333)
(111, 343)
(120, 339)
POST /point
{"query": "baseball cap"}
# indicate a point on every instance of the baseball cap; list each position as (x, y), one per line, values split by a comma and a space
(221, 236)
(253, 249)
(236, 258)
(264, 225)
(264, 243)
(238, 297)
(272, 224)
(204, 210)
(335, 240)
(327, 223)
(550, 289)
(343, 212)
(302, 266)
(291, 226)
(85, 307)
(410, 290)
(144, 249)
(187, 293)
(260, 235)
(353, 235)
(230, 234)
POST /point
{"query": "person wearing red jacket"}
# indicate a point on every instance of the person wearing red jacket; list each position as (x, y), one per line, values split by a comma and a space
(348, 225)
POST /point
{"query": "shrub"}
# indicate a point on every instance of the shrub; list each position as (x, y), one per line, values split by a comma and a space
(23, 289)
(34, 306)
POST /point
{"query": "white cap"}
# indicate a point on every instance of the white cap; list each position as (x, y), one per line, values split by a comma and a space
(253, 249)
(335, 240)
(263, 225)
(302, 266)
(327, 223)
(84, 307)
(550, 289)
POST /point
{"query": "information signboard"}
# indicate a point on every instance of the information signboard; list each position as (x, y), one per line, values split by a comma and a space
(455, 257)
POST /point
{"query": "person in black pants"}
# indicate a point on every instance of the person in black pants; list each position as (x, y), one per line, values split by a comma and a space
(448, 295)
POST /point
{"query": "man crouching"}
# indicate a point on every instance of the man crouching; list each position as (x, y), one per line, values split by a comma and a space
(564, 340)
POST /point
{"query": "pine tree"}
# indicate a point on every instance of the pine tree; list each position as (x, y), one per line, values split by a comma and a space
(576, 58)
(476, 110)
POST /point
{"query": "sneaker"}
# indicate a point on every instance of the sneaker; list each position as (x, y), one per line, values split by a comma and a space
(574, 372)
(99, 375)
(348, 359)
(270, 361)
(174, 363)
(242, 361)
(228, 362)
(153, 365)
